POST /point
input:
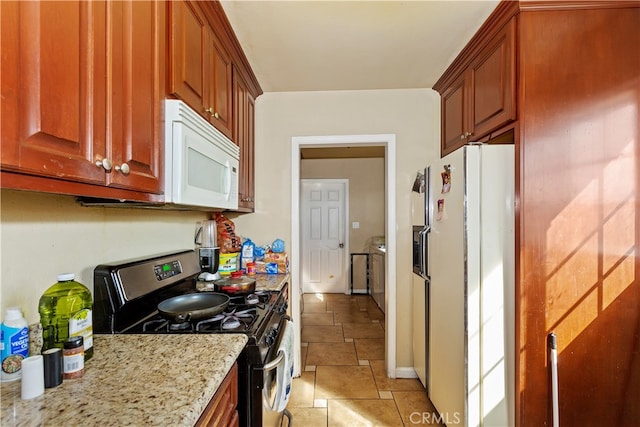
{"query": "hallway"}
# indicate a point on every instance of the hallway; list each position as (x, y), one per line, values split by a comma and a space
(343, 381)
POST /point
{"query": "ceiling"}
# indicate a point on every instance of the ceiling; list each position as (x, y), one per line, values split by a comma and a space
(326, 45)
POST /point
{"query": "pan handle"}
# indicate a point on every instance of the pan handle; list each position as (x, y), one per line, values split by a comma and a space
(183, 317)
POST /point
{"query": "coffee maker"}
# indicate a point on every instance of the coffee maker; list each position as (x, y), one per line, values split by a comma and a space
(208, 250)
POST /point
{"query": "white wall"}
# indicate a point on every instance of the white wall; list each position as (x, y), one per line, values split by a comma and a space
(413, 115)
(44, 235)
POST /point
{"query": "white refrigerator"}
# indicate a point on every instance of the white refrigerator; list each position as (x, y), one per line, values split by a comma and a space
(469, 249)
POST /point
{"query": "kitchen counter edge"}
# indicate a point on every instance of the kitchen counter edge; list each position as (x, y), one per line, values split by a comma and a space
(133, 379)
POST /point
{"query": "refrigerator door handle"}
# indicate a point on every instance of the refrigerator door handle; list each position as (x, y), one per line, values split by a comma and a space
(424, 252)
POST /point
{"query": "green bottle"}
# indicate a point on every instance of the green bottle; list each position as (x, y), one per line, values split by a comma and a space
(66, 310)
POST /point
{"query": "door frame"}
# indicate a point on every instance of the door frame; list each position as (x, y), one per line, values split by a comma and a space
(345, 224)
(389, 142)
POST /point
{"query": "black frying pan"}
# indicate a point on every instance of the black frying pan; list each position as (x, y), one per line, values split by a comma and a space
(198, 306)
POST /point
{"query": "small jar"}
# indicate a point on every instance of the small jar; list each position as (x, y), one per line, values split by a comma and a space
(251, 269)
(73, 357)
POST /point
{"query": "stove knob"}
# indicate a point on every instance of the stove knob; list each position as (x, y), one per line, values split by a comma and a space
(282, 309)
(271, 337)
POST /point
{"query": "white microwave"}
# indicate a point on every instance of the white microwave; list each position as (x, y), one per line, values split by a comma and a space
(201, 164)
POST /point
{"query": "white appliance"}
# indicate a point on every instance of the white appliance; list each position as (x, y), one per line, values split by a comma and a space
(420, 276)
(469, 249)
(201, 164)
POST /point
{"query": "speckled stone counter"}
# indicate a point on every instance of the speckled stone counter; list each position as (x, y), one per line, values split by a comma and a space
(159, 380)
(270, 282)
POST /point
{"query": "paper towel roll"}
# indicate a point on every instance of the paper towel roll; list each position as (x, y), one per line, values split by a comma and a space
(32, 377)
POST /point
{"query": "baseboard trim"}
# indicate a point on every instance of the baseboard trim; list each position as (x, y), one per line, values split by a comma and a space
(406, 372)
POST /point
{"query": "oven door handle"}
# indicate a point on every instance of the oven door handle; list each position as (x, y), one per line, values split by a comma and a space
(275, 363)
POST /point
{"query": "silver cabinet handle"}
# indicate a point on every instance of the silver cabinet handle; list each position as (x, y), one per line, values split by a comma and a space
(105, 164)
(124, 168)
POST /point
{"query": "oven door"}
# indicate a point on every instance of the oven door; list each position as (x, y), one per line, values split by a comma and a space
(278, 377)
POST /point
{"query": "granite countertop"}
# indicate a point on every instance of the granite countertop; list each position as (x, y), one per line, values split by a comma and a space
(270, 282)
(133, 380)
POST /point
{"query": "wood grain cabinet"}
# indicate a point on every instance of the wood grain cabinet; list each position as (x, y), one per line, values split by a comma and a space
(478, 96)
(222, 408)
(244, 136)
(80, 96)
(201, 68)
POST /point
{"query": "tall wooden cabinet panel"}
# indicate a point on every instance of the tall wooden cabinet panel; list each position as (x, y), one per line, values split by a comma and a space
(244, 135)
(83, 79)
(478, 95)
(200, 67)
(580, 240)
(53, 89)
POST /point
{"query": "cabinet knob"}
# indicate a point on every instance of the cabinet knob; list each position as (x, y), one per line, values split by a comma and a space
(462, 136)
(216, 115)
(124, 168)
(467, 134)
(104, 163)
(209, 110)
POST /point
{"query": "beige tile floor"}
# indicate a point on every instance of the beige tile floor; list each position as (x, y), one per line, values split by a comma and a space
(343, 381)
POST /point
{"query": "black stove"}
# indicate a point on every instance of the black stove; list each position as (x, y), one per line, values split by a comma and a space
(127, 294)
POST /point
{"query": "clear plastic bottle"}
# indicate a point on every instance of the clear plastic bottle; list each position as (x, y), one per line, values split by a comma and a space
(66, 310)
(14, 335)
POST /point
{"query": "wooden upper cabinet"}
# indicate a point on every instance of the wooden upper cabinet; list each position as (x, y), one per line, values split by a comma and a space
(201, 69)
(455, 113)
(220, 92)
(80, 101)
(136, 93)
(244, 136)
(53, 89)
(478, 96)
(492, 73)
(189, 32)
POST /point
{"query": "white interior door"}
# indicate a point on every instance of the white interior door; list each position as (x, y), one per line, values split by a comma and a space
(323, 242)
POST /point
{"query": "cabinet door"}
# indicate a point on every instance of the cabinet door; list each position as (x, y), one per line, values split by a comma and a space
(244, 116)
(53, 89)
(189, 33)
(219, 100)
(492, 76)
(454, 115)
(137, 46)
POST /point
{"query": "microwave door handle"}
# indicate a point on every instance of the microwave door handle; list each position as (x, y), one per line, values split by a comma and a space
(228, 190)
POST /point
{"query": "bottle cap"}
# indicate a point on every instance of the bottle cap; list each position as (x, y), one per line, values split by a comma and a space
(13, 313)
(65, 277)
(73, 342)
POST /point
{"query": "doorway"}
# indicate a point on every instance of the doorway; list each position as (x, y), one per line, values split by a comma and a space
(388, 142)
(324, 235)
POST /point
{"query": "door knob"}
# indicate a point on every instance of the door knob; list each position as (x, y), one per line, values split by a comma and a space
(341, 245)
